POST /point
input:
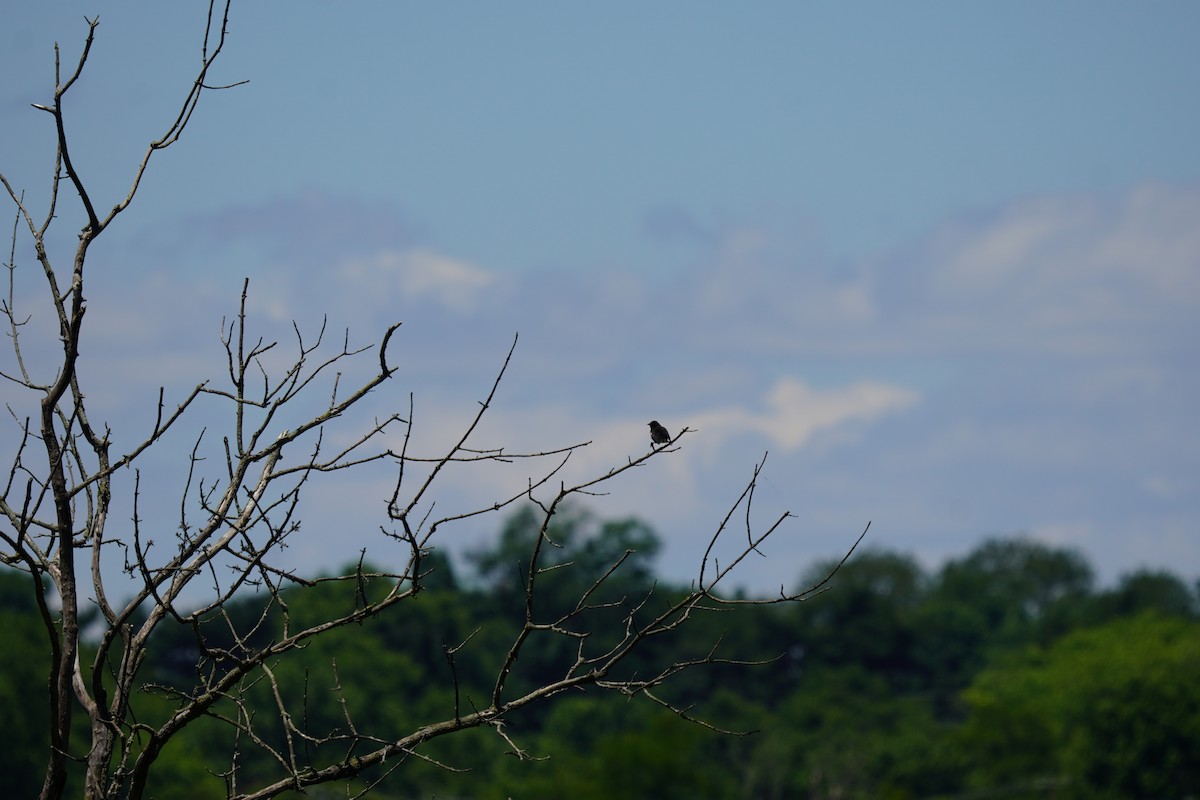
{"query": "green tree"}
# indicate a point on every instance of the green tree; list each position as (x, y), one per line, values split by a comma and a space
(581, 549)
(1004, 594)
(599, 748)
(1148, 591)
(24, 661)
(1107, 712)
(865, 620)
(849, 734)
(1021, 589)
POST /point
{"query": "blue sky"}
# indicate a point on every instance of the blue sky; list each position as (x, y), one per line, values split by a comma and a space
(941, 260)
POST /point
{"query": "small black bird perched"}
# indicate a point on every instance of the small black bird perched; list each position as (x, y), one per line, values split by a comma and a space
(658, 434)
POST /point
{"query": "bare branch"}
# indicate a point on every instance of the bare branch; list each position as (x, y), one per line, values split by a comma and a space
(201, 565)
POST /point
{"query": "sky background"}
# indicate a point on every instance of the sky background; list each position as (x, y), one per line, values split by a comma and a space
(940, 260)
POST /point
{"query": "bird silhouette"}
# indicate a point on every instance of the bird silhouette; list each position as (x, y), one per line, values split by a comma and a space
(658, 434)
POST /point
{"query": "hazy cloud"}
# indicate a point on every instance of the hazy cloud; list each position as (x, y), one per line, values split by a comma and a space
(1029, 369)
(793, 412)
(1067, 274)
(415, 274)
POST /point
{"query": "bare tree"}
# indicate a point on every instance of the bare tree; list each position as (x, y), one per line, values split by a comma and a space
(67, 469)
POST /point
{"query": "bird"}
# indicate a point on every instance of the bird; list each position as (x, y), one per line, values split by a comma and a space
(658, 434)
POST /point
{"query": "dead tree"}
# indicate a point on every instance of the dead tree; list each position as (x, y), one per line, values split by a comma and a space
(67, 469)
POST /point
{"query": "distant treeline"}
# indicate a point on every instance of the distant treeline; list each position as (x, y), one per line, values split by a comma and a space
(1005, 674)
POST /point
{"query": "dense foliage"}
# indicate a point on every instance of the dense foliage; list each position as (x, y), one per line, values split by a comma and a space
(1004, 674)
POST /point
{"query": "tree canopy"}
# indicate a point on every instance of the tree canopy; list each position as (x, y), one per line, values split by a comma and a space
(1006, 672)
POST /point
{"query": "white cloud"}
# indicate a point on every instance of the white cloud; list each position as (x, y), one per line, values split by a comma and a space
(724, 441)
(457, 284)
(1156, 238)
(1167, 487)
(418, 272)
(1065, 274)
(794, 412)
(1025, 371)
